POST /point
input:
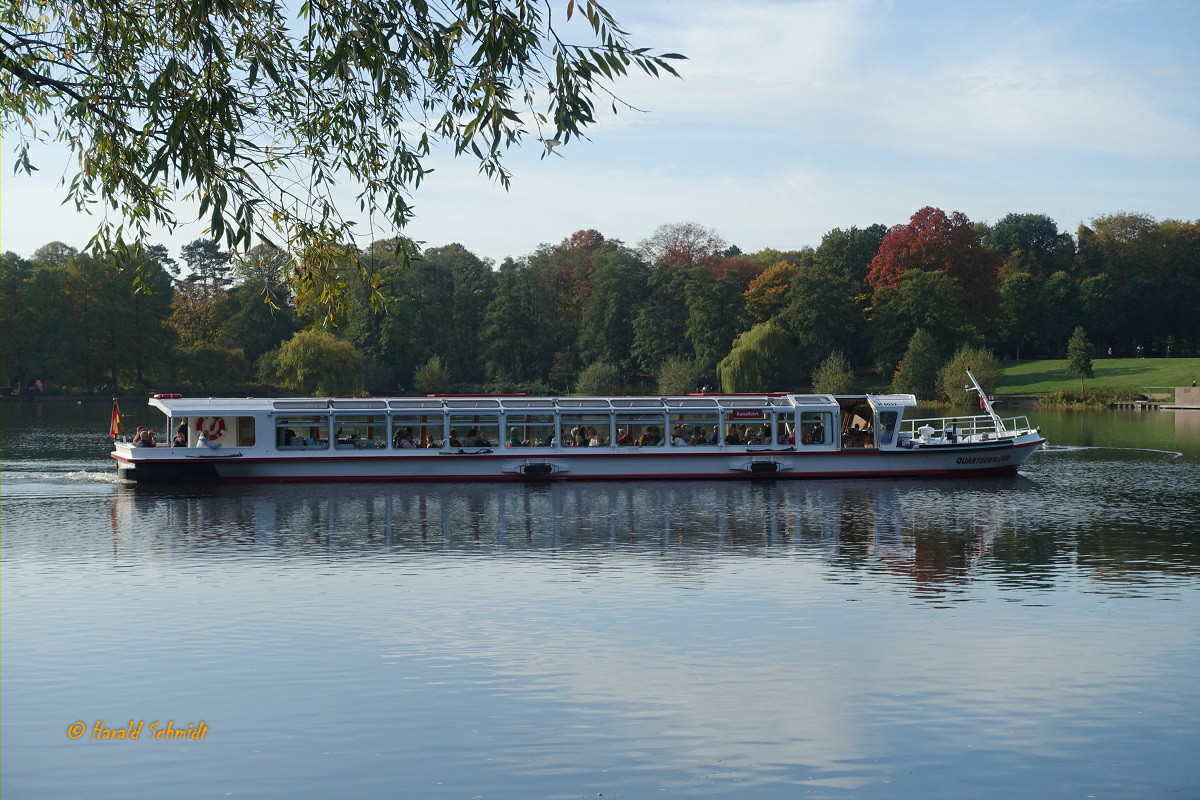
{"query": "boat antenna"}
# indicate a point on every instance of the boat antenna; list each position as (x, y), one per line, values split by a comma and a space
(985, 402)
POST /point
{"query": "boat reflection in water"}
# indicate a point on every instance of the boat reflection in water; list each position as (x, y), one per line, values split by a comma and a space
(932, 533)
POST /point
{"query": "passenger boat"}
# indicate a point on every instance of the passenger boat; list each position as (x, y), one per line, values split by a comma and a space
(517, 437)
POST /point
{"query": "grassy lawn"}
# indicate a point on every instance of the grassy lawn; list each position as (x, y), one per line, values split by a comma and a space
(1039, 377)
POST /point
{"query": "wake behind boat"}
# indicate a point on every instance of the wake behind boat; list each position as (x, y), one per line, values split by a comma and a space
(509, 437)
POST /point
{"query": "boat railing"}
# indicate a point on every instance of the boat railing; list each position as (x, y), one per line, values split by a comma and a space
(981, 426)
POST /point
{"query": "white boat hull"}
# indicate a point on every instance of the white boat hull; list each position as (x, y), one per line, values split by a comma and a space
(520, 464)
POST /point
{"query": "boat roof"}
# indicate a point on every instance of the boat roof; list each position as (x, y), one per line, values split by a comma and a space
(217, 406)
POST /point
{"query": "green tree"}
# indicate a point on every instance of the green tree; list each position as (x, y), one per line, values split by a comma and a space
(226, 104)
(661, 321)
(849, 253)
(1079, 356)
(606, 327)
(679, 376)
(833, 375)
(252, 324)
(207, 367)
(923, 299)
(1018, 319)
(822, 314)
(54, 254)
(472, 286)
(1060, 299)
(599, 378)
(197, 313)
(714, 308)
(1098, 306)
(522, 334)
(953, 377)
(762, 359)
(432, 377)
(208, 263)
(917, 372)
(317, 362)
(1034, 235)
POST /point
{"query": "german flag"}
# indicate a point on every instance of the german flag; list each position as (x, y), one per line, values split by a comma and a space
(114, 427)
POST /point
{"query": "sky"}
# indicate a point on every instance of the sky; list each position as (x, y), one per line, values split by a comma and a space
(792, 118)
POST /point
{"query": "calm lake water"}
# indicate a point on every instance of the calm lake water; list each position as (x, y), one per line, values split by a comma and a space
(1035, 636)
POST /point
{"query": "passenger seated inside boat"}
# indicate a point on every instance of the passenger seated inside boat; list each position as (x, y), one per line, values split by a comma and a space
(181, 436)
(454, 442)
(623, 438)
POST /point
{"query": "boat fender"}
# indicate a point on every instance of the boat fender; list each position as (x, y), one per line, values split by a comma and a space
(214, 429)
(537, 470)
(764, 466)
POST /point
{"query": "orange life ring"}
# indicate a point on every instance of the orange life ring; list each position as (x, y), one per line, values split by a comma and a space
(214, 430)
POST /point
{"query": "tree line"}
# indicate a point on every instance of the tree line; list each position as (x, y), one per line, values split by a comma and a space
(682, 309)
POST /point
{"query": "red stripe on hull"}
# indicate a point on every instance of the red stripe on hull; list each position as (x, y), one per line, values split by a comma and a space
(927, 473)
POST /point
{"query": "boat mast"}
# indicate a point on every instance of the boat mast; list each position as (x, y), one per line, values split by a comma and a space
(984, 401)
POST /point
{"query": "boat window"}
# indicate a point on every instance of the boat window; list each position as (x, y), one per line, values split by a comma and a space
(360, 432)
(474, 430)
(690, 402)
(785, 427)
(361, 405)
(245, 431)
(529, 430)
(302, 432)
(415, 403)
(292, 405)
(887, 426)
(582, 402)
(816, 427)
(410, 431)
(857, 430)
(641, 430)
(747, 426)
(636, 402)
(694, 429)
(473, 403)
(585, 430)
(531, 402)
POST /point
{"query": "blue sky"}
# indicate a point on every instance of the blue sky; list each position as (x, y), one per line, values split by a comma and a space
(793, 118)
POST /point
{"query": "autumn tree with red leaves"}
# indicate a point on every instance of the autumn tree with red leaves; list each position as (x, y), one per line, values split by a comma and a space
(933, 241)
